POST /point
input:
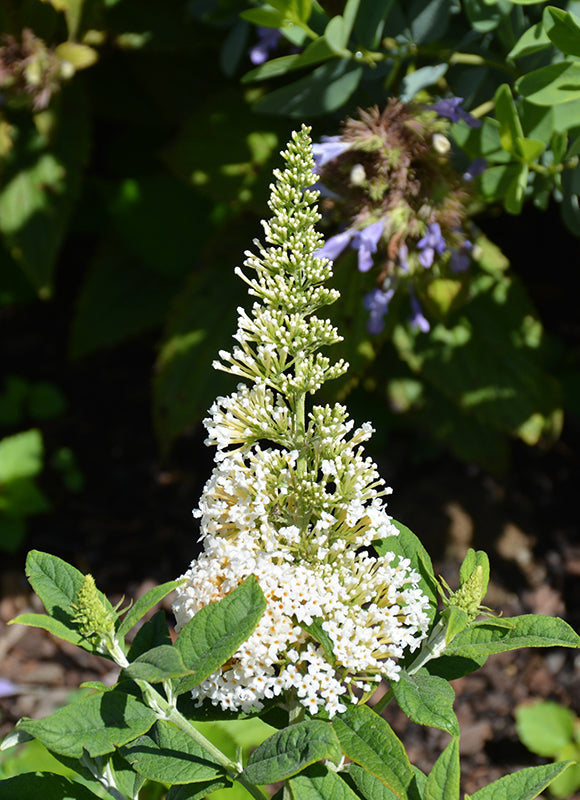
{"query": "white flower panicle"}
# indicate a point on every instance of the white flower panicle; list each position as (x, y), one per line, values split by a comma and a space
(293, 499)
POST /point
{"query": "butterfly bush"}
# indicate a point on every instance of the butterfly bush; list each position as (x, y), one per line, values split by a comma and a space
(389, 182)
(292, 498)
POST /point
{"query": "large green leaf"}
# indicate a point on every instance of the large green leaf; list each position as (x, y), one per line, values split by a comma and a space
(158, 664)
(169, 755)
(98, 724)
(21, 456)
(443, 780)
(326, 89)
(523, 785)
(427, 700)
(40, 184)
(217, 630)
(57, 584)
(482, 639)
(31, 786)
(369, 740)
(563, 30)
(319, 783)
(288, 751)
(551, 85)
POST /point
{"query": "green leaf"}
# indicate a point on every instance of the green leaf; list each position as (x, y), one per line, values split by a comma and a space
(530, 42)
(427, 700)
(51, 625)
(523, 785)
(336, 35)
(529, 149)
(98, 724)
(21, 456)
(369, 787)
(319, 783)
(324, 90)
(57, 584)
(545, 728)
(159, 664)
(217, 630)
(145, 604)
(474, 559)
(369, 740)
(530, 630)
(31, 786)
(288, 751)
(407, 545)
(317, 632)
(506, 114)
(551, 85)
(152, 634)
(563, 30)
(41, 180)
(169, 755)
(268, 17)
(443, 780)
(197, 791)
(514, 198)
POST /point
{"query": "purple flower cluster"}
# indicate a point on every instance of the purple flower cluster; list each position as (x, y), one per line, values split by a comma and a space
(364, 241)
(432, 243)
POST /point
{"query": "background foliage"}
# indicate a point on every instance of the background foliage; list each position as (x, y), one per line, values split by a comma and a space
(135, 152)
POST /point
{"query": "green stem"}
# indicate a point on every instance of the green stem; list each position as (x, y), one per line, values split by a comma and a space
(432, 647)
(169, 713)
(474, 60)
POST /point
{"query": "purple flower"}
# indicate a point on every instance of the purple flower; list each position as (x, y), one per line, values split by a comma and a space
(377, 303)
(404, 257)
(7, 688)
(451, 108)
(417, 319)
(474, 169)
(330, 147)
(460, 259)
(334, 246)
(365, 242)
(268, 41)
(433, 242)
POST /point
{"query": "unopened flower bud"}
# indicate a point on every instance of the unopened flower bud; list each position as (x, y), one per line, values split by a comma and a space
(93, 620)
(441, 144)
(358, 175)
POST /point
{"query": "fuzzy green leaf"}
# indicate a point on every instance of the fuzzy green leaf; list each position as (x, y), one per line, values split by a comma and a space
(319, 783)
(53, 626)
(31, 786)
(530, 630)
(443, 780)
(217, 630)
(522, 785)
(369, 740)
(159, 664)
(169, 755)
(197, 791)
(98, 724)
(288, 751)
(427, 700)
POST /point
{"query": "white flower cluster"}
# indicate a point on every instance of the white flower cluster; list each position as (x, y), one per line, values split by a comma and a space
(302, 513)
